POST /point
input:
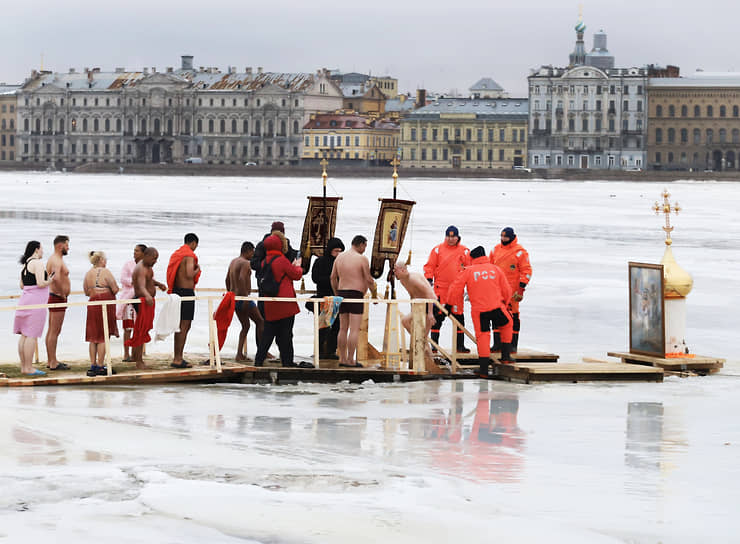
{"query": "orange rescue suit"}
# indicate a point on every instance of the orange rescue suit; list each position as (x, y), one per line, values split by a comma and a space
(513, 259)
(488, 291)
(443, 266)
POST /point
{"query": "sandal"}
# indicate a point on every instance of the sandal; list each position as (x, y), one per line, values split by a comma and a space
(305, 364)
(353, 365)
(60, 366)
(36, 372)
(184, 364)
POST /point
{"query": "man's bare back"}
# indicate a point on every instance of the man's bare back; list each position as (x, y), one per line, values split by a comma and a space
(417, 287)
(239, 277)
(351, 272)
(143, 276)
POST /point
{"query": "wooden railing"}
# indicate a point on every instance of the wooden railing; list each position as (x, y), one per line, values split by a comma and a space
(392, 348)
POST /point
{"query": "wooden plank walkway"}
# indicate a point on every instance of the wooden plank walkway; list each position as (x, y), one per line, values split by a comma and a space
(576, 372)
(523, 355)
(698, 363)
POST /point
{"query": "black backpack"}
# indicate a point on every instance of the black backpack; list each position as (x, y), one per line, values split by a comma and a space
(267, 285)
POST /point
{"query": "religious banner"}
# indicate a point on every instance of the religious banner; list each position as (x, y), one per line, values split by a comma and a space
(390, 231)
(647, 316)
(317, 230)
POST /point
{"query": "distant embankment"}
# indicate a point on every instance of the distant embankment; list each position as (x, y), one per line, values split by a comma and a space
(338, 170)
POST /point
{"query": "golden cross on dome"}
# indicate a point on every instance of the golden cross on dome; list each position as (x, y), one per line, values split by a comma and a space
(666, 208)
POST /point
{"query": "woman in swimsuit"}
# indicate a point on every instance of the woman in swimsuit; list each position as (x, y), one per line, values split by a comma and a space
(30, 323)
(99, 284)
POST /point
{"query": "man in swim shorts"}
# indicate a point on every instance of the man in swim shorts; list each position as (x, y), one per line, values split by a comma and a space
(239, 282)
(59, 290)
(350, 278)
(183, 272)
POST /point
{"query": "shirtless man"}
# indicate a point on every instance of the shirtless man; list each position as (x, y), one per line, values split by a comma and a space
(417, 286)
(184, 285)
(144, 286)
(350, 278)
(59, 289)
(239, 282)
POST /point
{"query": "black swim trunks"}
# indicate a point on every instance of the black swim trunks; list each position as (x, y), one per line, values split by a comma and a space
(351, 307)
(187, 307)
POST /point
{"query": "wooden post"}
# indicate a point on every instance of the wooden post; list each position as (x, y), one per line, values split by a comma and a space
(453, 350)
(211, 339)
(363, 351)
(316, 347)
(418, 336)
(106, 335)
(36, 352)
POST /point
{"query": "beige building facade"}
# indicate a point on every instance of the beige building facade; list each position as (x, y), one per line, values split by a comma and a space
(349, 136)
(694, 123)
(8, 116)
(466, 133)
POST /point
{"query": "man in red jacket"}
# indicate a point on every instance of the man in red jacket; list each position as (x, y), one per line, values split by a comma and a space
(489, 294)
(445, 263)
(280, 316)
(513, 259)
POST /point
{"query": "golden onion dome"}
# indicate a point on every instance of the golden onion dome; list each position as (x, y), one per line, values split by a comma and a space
(677, 283)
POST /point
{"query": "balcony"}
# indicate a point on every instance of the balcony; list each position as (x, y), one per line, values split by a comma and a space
(540, 131)
(558, 111)
(612, 111)
(455, 141)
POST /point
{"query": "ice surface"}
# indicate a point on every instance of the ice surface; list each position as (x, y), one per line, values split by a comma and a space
(435, 462)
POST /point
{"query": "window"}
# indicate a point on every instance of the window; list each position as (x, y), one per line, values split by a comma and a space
(671, 136)
(210, 125)
(697, 136)
(584, 128)
(423, 154)
(479, 155)
(671, 111)
(710, 136)
(626, 89)
(571, 125)
(658, 157)
(502, 135)
(96, 125)
(107, 125)
(735, 111)
(245, 126)
(722, 136)
(233, 126)
(480, 134)
(423, 135)
(222, 127)
(445, 155)
(199, 124)
(697, 111)
(468, 134)
(684, 136)
(735, 136)
(626, 105)
(625, 125)
(500, 154)
(658, 111)
(710, 111)
(722, 111)
(658, 135)
(670, 157)
(445, 134)
(611, 125)
(413, 134)
(598, 125)
(684, 111)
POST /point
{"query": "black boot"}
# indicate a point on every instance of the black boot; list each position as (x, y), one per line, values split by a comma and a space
(461, 343)
(435, 337)
(496, 347)
(506, 358)
(514, 342)
(483, 370)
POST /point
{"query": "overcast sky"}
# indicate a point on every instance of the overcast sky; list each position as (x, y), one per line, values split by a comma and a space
(438, 46)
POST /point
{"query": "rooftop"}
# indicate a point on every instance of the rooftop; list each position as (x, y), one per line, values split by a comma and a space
(507, 107)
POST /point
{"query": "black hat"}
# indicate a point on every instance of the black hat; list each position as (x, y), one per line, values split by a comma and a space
(478, 251)
(333, 244)
(509, 232)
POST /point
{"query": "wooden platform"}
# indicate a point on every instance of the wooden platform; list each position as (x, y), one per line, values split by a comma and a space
(523, 355)
(699, 364)
(576, 372)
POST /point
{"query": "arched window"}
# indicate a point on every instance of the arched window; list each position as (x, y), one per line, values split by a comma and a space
(187, 126)
(49, 125)
(200, 126)
(697, 111)
(222, 126)
(96, 125)
(295, 127)
(735, 136)
(131, 126)
(169, 126)
(118, 125)
(143, 126)
(670, 157)
(671, 111)
(658, 135)
(257, 129)
(26, 125)
(671, 135)
(684, 111)
(233, 126)
(245, 126)
(84, 125)
(659, 111)
(61, 125)
(735, 111)
(697, 136)
(282, 128)
(710, 136)
(722, 111)
(38, 125)
(722, 135)
(156, 125)
(710, 111)
(684, 136)
(107, 125)
(270, 128)
(210, 125)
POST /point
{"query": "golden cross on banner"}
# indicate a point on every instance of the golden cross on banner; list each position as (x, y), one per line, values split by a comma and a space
(666, 208)
(395, 162)
(324, 163)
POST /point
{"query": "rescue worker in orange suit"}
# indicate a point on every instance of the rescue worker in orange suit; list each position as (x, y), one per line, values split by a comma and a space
(445, 263)
(489, 295)
(513, 259)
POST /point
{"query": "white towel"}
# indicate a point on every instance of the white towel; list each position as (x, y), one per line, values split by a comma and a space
(168, 320)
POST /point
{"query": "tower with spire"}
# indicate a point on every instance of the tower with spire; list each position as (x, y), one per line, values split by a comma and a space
(578, 56)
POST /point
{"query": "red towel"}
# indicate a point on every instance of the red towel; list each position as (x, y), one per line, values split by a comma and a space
(175, 260)
(223, 316)
(142, 325)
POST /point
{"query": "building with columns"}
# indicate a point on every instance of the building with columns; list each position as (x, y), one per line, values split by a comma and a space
(694, 122)
(151, 116)
(588, 114)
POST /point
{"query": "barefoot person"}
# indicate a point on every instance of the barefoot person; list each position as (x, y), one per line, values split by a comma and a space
(30, 323)
(144, 287)
(183, 273)
(417, 286)
(350, 278)
(125, 312)
(239, 282)
(58, 292)
(99, 284)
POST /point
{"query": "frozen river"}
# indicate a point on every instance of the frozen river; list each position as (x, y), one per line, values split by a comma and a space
(432, 462)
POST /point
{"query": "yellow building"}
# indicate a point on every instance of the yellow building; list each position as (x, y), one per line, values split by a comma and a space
(466, 133)
(350, 136)
(8, 114)
(364, 99)
(387, 85)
